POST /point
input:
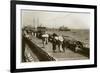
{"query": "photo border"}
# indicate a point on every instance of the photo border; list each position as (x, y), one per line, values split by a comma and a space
(13, 35)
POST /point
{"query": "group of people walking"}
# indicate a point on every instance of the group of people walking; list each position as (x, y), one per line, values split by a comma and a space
(58, 42)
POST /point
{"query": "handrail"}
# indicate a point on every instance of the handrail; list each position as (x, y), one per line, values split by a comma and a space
(41, 54)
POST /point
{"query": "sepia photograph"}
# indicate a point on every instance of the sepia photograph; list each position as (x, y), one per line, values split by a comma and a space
(55, 36)
(52, 36)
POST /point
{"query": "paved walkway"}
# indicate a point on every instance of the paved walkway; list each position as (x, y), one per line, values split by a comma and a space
(60, 56)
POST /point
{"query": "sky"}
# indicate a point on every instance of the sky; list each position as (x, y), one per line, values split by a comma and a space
(51, 19)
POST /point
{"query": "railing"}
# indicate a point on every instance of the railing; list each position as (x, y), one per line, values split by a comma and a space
(41, 54)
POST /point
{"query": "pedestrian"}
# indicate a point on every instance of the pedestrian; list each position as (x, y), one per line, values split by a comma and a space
(46, 37)
(60, 42)
(54, 44)
(43, 41)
